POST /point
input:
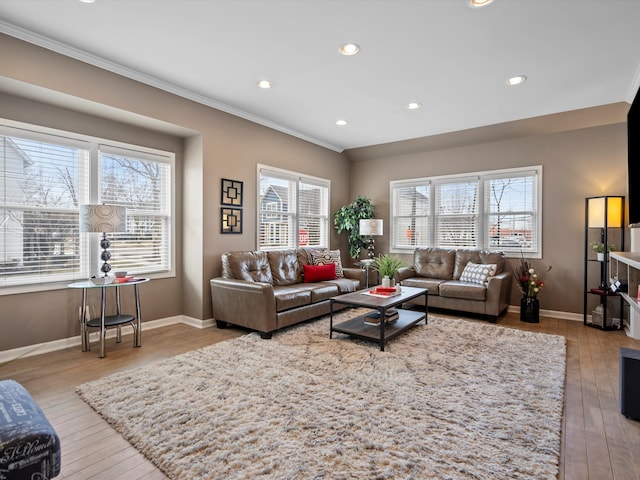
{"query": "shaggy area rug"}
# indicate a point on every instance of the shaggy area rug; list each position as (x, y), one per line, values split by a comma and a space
(449, 400)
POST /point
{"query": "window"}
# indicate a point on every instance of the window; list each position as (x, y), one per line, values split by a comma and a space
(46, 176)
(141, 182)
(293, 210)
(456, 213)
(493, 210)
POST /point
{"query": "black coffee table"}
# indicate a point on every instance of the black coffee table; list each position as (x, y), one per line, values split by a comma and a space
(356, 327)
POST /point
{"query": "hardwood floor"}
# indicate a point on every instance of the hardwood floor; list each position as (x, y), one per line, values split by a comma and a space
(598, 443)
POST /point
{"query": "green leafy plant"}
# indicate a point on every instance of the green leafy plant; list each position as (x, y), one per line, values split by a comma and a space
(598, 247)
(387, 265)
(347, 219)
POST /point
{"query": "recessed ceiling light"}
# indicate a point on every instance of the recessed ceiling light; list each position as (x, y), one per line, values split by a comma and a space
(479, 3)
(87, 1)
(517, 80)
(413, 105)
(349, 49)
(265, 84)
(341, 123)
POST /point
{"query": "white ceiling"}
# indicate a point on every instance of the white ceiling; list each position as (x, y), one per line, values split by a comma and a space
(442, 53)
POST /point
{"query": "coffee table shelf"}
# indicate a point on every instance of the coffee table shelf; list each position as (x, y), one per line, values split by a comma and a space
(356, 327)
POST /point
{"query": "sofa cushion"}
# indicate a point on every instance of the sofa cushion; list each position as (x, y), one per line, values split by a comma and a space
(434, 262)
(493, 257)
(290, 297)
(462, 290)
(327, 257)
(478, 272)
(318, 273)
(304, 255)
(285, 268)
(320, 291)
(431, 284)
(464, 256)
(249, 266)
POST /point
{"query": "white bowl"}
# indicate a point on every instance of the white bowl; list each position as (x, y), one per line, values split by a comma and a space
(101, 280)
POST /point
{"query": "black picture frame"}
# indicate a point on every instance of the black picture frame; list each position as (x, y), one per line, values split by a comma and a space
(230, 220)
(231, 192)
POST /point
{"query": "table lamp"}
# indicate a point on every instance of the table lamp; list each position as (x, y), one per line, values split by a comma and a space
(370, 227)
(105, 219)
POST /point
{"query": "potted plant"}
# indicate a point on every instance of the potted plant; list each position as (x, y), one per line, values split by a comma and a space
(387, 267)
(598, 247)
(347, 219)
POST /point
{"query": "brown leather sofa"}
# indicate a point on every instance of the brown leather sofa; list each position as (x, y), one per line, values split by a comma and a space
(480, 289)
(265, 291)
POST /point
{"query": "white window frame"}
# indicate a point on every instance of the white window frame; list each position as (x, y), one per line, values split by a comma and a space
(482, 223)
(88, 192)
(294, 217)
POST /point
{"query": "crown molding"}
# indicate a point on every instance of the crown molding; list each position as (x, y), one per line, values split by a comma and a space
(86, 57)
(634, 87)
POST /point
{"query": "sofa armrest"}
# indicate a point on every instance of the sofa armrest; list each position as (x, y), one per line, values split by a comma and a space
(498, 293)
(244, 303)
(355, 274)
(405, 272)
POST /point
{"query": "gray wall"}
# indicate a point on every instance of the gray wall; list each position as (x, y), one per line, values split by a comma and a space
(577, 163)
(44, 88)
(582, 155)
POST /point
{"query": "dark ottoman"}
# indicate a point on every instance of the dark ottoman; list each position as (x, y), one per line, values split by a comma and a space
(29, 447)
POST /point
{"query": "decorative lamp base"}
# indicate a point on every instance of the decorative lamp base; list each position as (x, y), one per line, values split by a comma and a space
(370, 248)
(529, 310)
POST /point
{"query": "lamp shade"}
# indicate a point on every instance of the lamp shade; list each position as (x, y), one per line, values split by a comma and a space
(596, 209)
(103, 218)
(371, 226)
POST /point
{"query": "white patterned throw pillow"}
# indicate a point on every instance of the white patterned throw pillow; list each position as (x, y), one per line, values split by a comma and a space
(478, 272)
(327, 257)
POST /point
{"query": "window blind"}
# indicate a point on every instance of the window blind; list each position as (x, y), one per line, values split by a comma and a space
(293, 210)
(45, 177)
(499, 209)
(511, 209)
(41, 185)
(142, 183)
(456, 214)
(411, 215)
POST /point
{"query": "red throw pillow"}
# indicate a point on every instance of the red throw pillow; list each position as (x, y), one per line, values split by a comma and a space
(318, 273)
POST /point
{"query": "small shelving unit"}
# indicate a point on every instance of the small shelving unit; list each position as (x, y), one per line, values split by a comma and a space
(626, 267)
(604, 223)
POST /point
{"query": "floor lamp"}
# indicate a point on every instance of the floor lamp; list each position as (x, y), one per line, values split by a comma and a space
(104, 219)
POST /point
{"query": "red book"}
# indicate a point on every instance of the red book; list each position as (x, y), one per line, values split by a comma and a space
(376, 292)
(386, 289)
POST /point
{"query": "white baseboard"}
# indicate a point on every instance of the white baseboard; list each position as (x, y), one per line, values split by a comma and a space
(194, 322)
(551, 313)
(40, 348)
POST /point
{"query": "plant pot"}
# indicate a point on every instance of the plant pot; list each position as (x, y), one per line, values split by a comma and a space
(529, 310)
(386, 282)
(600, 257)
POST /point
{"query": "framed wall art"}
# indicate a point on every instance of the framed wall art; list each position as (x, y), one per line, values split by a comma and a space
(231, 192)
(230, 220)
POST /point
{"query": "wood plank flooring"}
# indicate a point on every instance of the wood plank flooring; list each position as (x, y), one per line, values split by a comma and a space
(598, 443)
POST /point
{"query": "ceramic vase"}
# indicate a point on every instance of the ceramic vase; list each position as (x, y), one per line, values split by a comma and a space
(529, 310)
